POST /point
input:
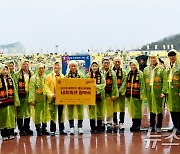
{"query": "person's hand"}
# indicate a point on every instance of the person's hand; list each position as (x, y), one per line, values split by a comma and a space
(179, 94)
(113, 98)
(96, 86)
(162, 96)
(54, 96)
(33, 103)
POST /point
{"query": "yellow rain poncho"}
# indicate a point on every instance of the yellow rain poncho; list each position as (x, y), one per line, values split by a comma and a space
(111, 83)
(173, 77)
(119, 103)
(51, 83)
(135, 102)
(97, 111)
(8, 112)
(155, 85)
(22, 83)
(38, 90)
(74, 111)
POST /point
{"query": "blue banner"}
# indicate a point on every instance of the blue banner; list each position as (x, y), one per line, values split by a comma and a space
(82, 60)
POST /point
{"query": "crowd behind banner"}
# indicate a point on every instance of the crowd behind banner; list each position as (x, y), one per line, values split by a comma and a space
(27, 94)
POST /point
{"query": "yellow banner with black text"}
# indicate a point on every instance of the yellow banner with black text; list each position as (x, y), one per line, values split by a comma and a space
(75, 91)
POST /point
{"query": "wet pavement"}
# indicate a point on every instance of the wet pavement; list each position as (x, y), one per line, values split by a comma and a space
(127, 142)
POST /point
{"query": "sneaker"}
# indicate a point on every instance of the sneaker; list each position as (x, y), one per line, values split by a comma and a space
(29, 132)
(5, 138)
(45, 132)
(22, 133)
(178, 132)
(80, 131)
(151, 129)
(11, 137)
(39, 133)
(15, 133)
(115, 128)
(158, 130)
(93, 131)
(121, 127)
(132, 128)
(72, 131)
(63, 132)
(109, 128)
(52, 133)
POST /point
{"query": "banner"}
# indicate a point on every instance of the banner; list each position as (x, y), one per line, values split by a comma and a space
(75, 91)
(82, 60)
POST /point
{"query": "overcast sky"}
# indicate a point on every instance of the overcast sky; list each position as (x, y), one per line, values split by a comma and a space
(79, 25)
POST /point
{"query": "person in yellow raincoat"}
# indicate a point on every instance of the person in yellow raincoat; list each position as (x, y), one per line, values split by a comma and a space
(22, 79)
(96, 112)
(111, 91)
(173, 99)
(156, 87)
(55, 110)
(38, 91)
(119, 104)
(8, 101)
(73, 72)
(133, 88)
(11, 66)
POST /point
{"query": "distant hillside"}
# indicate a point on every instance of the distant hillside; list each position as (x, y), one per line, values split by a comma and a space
(170, 40)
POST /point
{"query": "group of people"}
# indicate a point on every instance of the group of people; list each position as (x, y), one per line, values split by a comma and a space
(25, 95)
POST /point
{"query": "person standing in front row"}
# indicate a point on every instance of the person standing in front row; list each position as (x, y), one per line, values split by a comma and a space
(22, 79)
(74, 110)
(55, 110)
(119, 104)
(173, 99)
(155, 88)
(8, 101)
(38, 93)
(111, 92)
(96, 112)
(134, 92)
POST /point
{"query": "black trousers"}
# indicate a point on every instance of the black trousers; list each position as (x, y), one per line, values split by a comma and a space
(175, 116)
(7, 132)
(23, 124)
(93, 124)
(61, 124)
(153, 120)
(121, 117)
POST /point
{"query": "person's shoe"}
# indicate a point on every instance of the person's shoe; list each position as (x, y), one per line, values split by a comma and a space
(22, 133)
(45, 132)
(80, 131)
(93, 131)
(121, 127)
(109, 128)
(15, 133)
(103, 128)
(72, 131)
(11, 137)
(171, 129)
(52, 133)
(178, 132)
(136, 129)
(39, 133)
(5, 138)
(63, 132)
(158, 130)
(132, 128)
(115, 128)
(29, 132)
(151, 129)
